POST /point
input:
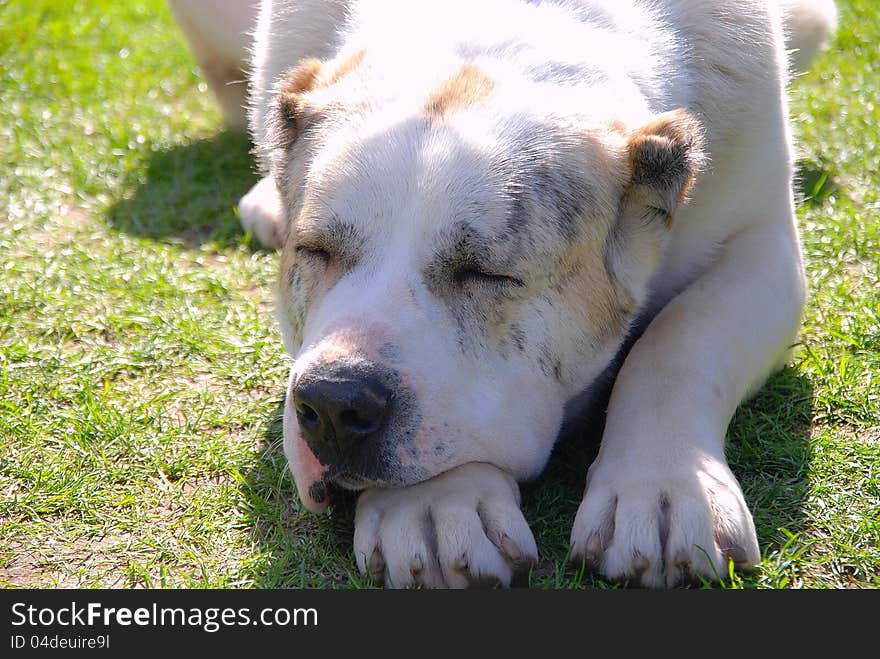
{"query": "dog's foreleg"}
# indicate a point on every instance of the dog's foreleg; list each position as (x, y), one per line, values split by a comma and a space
(661, 502)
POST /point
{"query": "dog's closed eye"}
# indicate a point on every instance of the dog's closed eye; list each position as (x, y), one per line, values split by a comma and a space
(315, 252)
(473, 274)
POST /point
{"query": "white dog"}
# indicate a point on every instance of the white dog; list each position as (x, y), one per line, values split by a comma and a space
(480, 204)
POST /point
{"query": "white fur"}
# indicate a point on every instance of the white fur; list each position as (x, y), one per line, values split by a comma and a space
(726, 280)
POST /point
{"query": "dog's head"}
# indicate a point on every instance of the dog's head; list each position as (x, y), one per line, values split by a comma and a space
(464, 256)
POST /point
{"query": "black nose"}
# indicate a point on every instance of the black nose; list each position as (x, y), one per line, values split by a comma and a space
(338, 406)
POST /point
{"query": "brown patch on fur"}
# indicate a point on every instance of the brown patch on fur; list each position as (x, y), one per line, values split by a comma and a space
(303, 78)
(345, 67)
(617, 126)
(461, 90)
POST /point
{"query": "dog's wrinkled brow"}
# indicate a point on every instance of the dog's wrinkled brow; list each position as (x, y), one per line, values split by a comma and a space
(334, 235)
(465, 244)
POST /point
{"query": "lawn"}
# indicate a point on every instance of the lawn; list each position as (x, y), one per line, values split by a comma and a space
(141, 368)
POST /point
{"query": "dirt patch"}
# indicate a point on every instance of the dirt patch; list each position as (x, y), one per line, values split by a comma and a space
(54, 563)
(20, 570)
(71, 219)
(75, 217)
(123, 559)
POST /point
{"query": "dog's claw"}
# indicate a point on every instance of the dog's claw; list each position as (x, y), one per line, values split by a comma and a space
(376, 566)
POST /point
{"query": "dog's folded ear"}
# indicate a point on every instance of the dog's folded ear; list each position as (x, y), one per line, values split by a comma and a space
(302, 96)
(298, 98)
(664, 157)
(291, 109)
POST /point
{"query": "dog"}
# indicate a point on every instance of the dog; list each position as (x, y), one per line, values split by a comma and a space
(482, 209)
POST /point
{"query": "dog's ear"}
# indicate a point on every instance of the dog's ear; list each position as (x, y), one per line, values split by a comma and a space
(290, 109)
(664, 158)
(301, 97)
(298, 99)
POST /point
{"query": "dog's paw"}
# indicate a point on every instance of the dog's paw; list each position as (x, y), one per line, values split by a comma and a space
(664, 529)
(260, 213)
(462, 528)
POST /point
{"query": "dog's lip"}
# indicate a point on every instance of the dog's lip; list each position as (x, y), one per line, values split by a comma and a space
(349, 481)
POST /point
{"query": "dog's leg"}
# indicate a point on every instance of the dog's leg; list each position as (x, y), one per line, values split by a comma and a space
(219, 40)
(661, 502)
(461, 528)
(260, 213)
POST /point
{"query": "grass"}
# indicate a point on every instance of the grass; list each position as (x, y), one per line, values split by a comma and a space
(141, 370)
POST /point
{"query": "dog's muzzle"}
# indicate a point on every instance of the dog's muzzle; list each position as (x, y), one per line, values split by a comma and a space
(342, 407)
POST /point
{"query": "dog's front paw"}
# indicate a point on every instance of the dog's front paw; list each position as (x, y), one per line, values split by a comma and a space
(260, 213)
(461, 528)
(660, 529)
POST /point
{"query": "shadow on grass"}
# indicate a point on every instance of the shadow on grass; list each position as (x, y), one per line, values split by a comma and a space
(189, 192)
(815, 183)
(768, 449)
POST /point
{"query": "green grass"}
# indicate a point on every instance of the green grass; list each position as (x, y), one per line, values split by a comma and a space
(141, 371)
